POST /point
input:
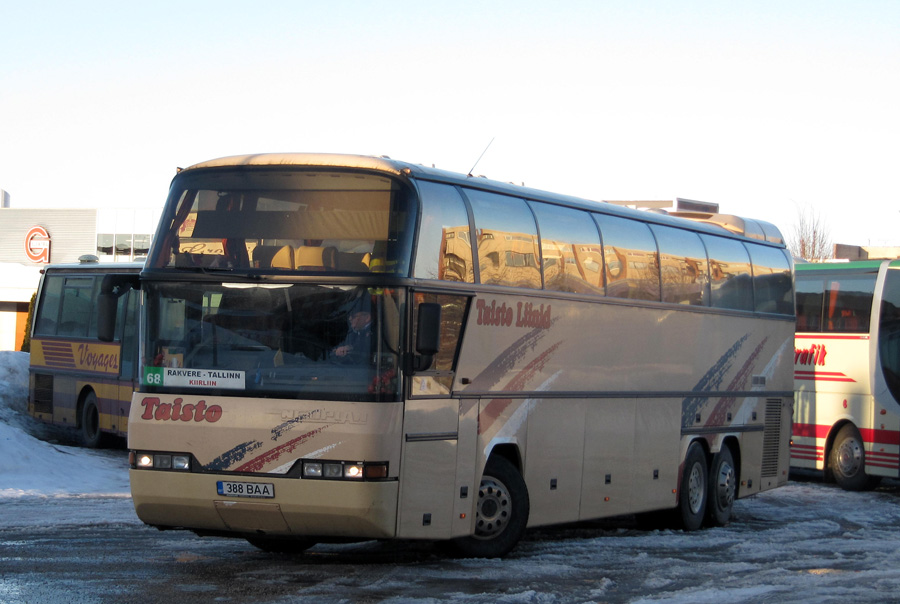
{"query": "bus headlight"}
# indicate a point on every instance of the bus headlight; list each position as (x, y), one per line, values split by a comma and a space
(144, 460)
(345, 470)
(353, 472)
(159, 461)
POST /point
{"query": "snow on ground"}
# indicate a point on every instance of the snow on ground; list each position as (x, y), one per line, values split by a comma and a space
(33, 467)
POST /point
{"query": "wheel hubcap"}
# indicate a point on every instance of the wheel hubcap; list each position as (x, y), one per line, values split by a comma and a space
(695, 489)
(494, 508)
(849, 457)
(725, 486)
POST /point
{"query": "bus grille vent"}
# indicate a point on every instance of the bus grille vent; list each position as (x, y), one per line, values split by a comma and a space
(43, 393)
(771, 438)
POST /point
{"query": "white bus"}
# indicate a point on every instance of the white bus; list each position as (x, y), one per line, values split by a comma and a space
(847, 371)
(519, 358)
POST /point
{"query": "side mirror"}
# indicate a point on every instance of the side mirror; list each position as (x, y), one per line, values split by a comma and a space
(428, 334)
(112, 288)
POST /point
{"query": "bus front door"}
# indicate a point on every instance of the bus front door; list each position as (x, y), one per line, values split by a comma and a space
(437, 473)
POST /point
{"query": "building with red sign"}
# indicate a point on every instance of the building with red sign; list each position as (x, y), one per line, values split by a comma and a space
(32, 238)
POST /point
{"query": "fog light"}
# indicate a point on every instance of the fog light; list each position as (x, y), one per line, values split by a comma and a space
(162, 462)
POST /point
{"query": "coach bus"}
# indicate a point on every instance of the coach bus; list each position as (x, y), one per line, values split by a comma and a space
(76, 380)
(521, 358)
(847, 371)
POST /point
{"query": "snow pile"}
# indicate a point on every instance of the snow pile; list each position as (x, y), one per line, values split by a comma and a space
(32, 467)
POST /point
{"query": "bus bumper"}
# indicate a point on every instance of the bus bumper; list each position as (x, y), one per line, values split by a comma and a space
(309, 508)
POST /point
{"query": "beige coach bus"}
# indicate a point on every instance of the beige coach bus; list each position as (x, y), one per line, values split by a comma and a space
(345, 348)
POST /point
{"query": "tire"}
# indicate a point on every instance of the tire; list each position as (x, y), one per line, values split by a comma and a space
(847, 461)
(91, 434)
(281, 546)
(722, 488)
(501, 513)
(692, 496)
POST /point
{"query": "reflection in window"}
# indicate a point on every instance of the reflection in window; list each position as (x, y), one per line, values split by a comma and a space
(453, 311)
(729, 270)
(142, 245)
(323, 222)
(506, 239)
(444, 250)
(772, 283)
(123, 245)
(570, 248)
(105, 243)
(683, 266)
(632, 268)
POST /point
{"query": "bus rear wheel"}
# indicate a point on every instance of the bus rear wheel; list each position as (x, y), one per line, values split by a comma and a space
(501, 512)
(722, 488)
(91, 434)
(692, 497)
(847, 461)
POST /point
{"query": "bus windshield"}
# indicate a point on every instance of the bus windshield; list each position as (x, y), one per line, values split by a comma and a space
(286, 341)
(267, 219)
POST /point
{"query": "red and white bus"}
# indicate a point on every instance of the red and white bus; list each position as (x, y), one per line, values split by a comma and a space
(847, 371)
(76, 380)
(523, 358)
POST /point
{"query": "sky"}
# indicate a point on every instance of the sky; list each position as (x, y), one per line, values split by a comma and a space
(768, 108)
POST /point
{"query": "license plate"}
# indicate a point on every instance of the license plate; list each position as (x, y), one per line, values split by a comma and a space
(245, 489)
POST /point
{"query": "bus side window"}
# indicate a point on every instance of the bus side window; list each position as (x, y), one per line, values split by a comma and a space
(632, 263)
(772, 290)
(507, 240)
(809, 304)
(570, 248)
(129, 333)
(46, 322)
(78, 304)
(848, 303)
(684, 270)
(453, 313)
(444, 249)
(729, 271)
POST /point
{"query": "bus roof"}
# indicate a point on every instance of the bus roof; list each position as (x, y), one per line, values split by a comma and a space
(753, 229)
(856, 265)
(106, 267)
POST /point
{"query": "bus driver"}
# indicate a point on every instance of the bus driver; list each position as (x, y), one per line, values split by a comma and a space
(357, 344)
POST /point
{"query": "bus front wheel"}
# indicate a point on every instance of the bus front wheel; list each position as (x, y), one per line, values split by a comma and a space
(91, 434)
(501, 512)
(847, 461)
